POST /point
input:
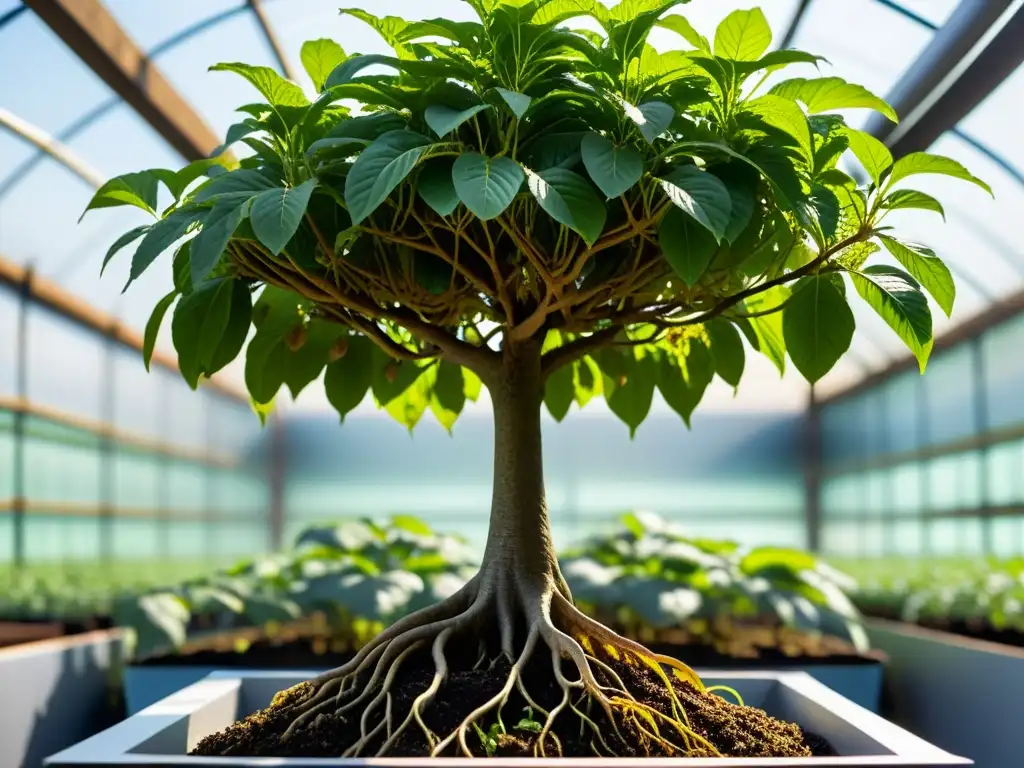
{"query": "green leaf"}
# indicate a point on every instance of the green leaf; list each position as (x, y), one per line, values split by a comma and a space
(687, 246)
(158, 239)
(911, 198)
(436, 187)
(683, 379)
(895, 296)
(275, 89)
(180, 181)
(822, 209)
(825, 94)
(700, 194)
(336, 146)
(181, 267)
(517, 102)
(449, 395)
(630, 399)
(684, 29)
(569, 200)
(652, 118)
(199, 321)
(208, 246)
(277, 213)
(320, 57)
(727, 350)
(241, 181)
(380, 168)
(767, 329)
(614, 169)
(236, 133)
(923, 162)
(137, 189)
(743, 36)
(443, 120)
(348, 379)
(872, 154)
(485, 185)
(927, 268)
(741, 181)
(818, 327)
(586, 381)
(408, 407)
(559, 391)
(785, 115)
(153, 326)
(236, 330)
(471, 385)
(305, 363)
(159, 621)
(128, 237)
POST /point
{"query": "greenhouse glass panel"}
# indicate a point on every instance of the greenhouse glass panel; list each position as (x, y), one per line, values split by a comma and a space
(1005, 473)
(56, 348)
(8, 341)
(187, 488)
(949, 395)
(135, 539)
(1007, 536)
(905, 485)
(51, 539)
(907, 537)
(1004, 372)
(62, 472)
(901, 394)
(138, 402)
(137, 480)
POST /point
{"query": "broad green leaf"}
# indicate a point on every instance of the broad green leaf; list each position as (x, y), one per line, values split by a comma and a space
(517, 102)
(485, 185)
(180, 181)
(471, 385)
(392, 377)
(348, 379)
(277, 213)
(652, 118)
(236, 330)
(895, 296)
(275, 89)
(923, 162)
(586, 380)
(559, 391)
(137, 189)
(741, 180)
(700, 194)
(380, 168)
(687, 246)
(408, 407)
(911, 198)
(367, 127)
(927, 268)
(336, 147)
(569, 200)
(743, 36)
(449, 394)
(388, 27)
(784, 114)
(684, 29)
(242, 181)
(767, 328)
(436, 187)
(443, 120)
(826, 94)
(433, 273)
(159, 621)
(158, 239)
(630, 398)
(683, 379)
(153, 326)
(818, 327)
(872, 154)
(200, 319)
(236, 133)
(128, 237)
(208, 246)
(727, 350)
(320, 57)
(306, 363)
(614, 169)
(820, 208)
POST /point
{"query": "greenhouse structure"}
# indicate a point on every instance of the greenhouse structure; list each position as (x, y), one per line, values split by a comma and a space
(161, 522)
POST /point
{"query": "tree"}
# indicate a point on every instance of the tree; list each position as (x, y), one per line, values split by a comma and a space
(554, 213)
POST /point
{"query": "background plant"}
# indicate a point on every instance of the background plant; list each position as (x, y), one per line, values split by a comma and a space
(549, 212)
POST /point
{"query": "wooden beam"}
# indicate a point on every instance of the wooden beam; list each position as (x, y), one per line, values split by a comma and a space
(88, 29)
(52, 296)
(272, 41)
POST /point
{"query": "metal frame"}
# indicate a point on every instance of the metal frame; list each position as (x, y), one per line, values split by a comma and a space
(89, 30)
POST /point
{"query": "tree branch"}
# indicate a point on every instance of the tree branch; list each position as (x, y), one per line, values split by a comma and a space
(574, 350)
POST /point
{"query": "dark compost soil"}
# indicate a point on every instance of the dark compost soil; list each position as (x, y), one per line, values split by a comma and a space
(734, 730)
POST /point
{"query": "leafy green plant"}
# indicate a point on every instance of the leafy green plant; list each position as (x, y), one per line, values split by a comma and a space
(650, 573)
(359, 574)
(550, 213)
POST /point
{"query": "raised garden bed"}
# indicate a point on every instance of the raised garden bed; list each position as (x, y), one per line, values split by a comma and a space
(167, 731)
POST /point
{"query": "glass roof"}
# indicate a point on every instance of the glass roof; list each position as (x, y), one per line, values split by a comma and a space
(43, 83)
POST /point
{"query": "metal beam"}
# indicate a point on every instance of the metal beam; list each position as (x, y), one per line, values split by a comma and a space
(794, 25)
(973, 52)
(89, 30)
(46, 143)
(50, 295)
(272, 41)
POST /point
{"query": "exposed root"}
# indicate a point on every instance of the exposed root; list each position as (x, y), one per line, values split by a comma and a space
(575, 642)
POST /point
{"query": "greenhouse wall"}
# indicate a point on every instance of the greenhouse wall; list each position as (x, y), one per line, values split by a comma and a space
(101, 461)
(930, 465)
(731, 476)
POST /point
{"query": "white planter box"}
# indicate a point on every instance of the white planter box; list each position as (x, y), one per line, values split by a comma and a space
(163, 733)
(966, 695)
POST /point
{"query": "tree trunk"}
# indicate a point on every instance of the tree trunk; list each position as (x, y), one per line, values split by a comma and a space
(519, 545)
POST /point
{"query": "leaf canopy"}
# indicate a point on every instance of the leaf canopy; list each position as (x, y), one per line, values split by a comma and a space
(512, 179)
